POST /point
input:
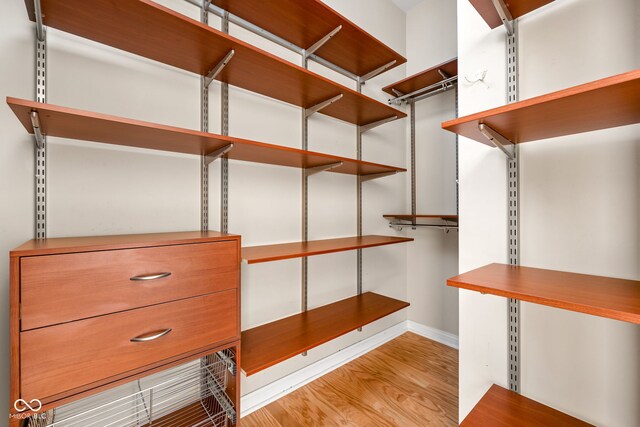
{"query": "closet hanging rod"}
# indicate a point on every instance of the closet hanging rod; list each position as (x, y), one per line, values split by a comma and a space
(426, 92)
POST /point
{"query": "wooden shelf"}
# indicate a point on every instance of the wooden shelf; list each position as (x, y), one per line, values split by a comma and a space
(88, 126)
(145, 28)
(600, 296)
(409, 217)
(304, 22)
(267, 345)
(423, 78)
(267, 253)
(518, 8)
(606, 103)
(500, 407)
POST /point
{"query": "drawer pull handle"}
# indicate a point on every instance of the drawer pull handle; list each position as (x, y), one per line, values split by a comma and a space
(151, 336)
(150, 277)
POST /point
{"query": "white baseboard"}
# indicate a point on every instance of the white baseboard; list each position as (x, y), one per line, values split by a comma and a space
(434, 334)
(263, 396)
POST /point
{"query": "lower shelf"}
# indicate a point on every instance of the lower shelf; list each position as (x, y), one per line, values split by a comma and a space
(502, 407)
(270, 344)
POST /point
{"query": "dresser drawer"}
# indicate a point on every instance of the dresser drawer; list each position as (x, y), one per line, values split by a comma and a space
(60, 358)
(61, 288)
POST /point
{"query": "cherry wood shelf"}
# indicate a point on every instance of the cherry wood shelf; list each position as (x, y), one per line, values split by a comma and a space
(89, 126)
(145, 28)
(500, 407)
(606, 103)
(423, 78)
(617, 299)
(304, 22)
(517, 8)
(267, 345)
(267, 253)
(409, 217)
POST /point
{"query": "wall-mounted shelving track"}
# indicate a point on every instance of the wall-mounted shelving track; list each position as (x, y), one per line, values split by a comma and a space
(277, 252)
(267, 345)
(89, 126)
(606, 103)
(427, 83)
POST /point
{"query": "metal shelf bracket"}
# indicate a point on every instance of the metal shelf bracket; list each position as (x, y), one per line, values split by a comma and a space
(369, 126)
(505, 15)
(371, 176)
(322, 168)
(498, 140)
(215, 155)
(317, 45)
(218, 68)
(39, 25)
(379, 70)
(37, 132)
(322, 105)
(444, 74)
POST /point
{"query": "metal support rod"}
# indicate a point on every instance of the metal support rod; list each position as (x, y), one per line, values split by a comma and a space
(317, 45)
(40, 148)
(438, 87)
(224, 130)
(371, 176)
(322, 168)
(219, 67)
(204, 127)
(37, 8)
(505, 15)
(369, 126)
(359, 132)
(304, 262)
(213, 156)
(413, 157)
(379, 70)
(498, 140)
(324, 104)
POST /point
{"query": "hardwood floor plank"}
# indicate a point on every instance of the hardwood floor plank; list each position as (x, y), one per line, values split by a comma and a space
(410, 381)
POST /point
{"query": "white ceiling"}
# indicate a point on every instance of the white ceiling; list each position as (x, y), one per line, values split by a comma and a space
(406, 5)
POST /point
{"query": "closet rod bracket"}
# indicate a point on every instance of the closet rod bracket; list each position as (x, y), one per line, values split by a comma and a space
(498, 140)
(371, 176)
(322, 168)
(218, 68)
(322, 105)
(369, 126)
(505, 15)
(37, 131)
(379, 70)
(317, 45)
(213, 156)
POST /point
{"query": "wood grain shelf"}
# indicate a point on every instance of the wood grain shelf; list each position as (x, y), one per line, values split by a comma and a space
(409, 217)
(147, 29)
(267, 345)
(500, 407)
(423, 78)
(517, 8)
(267, 253)
(600, 296)
(89, 126)
(606, 103)
(304, 22)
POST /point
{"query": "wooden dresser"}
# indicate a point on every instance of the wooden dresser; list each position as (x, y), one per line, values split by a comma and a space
(90, 313)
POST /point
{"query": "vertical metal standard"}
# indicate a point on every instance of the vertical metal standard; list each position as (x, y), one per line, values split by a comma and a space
(359, 132)
(514, 208)
(41, 149)
(457, 162)
(224, 124)
(305, 203)
(204, 127)
(412, 106)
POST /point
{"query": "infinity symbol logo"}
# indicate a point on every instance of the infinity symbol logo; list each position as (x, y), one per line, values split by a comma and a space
(27, 405)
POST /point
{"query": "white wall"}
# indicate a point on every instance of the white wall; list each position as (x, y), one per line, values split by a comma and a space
(98, 189)
(580, 206)
(433, 256)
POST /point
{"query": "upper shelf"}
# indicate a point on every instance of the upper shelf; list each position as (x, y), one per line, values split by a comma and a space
(606, 103)
(518, 8)
(153, 31)
(88, 126)
(266, 253)
(423, 78)
(304, 22)
(600, 296)
(500, 407)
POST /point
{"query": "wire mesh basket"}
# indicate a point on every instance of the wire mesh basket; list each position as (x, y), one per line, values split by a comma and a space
(193, 394)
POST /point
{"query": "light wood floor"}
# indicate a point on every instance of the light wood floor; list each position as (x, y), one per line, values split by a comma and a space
(410, 381)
